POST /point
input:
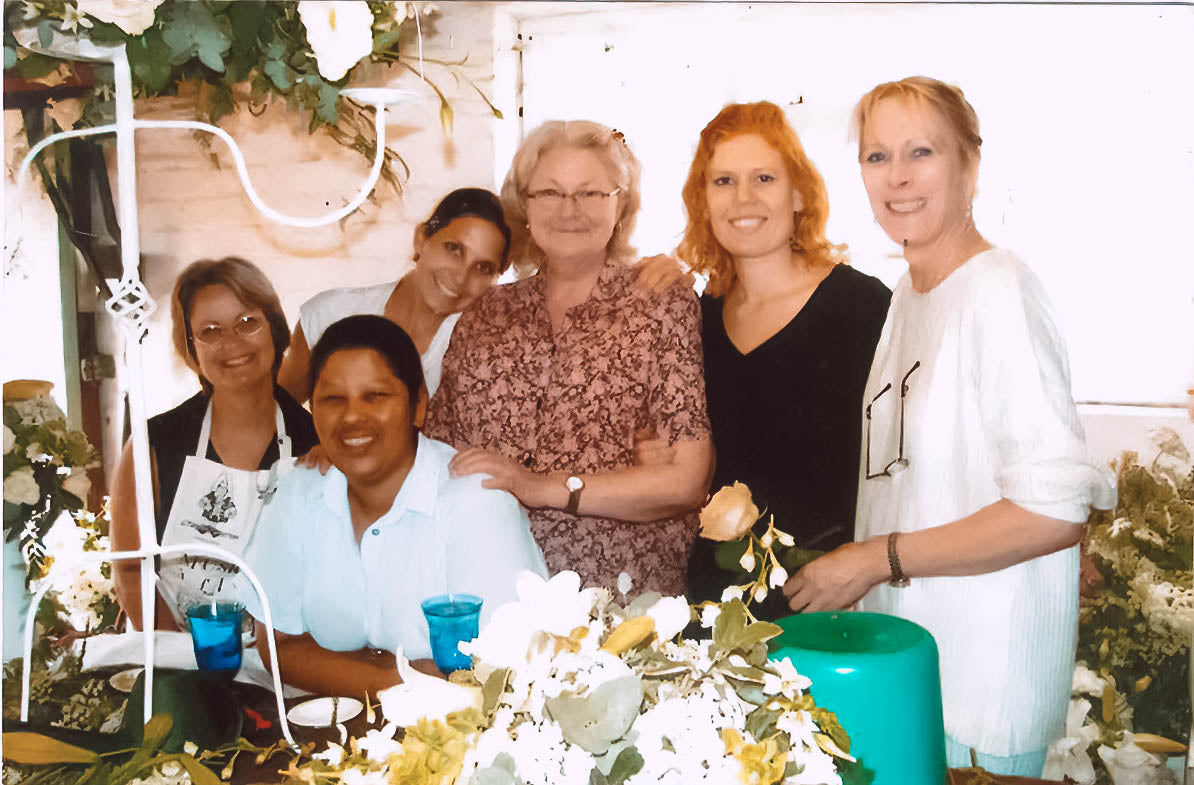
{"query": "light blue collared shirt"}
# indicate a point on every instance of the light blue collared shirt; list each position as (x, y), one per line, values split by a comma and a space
(443, 534)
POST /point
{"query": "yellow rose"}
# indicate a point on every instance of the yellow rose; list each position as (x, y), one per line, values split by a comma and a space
(729, 514)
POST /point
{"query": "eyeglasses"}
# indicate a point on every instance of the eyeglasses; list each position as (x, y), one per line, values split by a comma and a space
(900, 463)
(245, 326)
(552, 199)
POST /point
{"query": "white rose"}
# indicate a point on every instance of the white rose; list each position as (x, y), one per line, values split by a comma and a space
(132, 16)
(77, 483)
(339, 32)
(729, 514)
(10, 440)
(21, 488)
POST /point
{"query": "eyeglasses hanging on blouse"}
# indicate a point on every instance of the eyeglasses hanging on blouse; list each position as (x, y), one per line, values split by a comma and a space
(900, 463)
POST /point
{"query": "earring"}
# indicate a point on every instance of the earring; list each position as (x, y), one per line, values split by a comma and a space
(793, 244)
(416, 258)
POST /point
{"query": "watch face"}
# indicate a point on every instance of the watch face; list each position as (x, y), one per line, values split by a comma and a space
(575, 483)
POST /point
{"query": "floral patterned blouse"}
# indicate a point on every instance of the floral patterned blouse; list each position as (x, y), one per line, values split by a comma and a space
(572, 402)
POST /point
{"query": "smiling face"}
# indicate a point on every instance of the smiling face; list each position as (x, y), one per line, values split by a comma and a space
(572, 231)
(234, 361)
(364, 418)
(751, 198)
(919, 184)
(457, 264)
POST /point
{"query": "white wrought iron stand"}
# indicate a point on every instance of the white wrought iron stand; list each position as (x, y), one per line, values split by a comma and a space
(131, 304)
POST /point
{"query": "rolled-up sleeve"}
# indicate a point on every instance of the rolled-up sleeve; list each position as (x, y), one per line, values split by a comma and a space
(275, 555)
(1027, 408)
(677, 397)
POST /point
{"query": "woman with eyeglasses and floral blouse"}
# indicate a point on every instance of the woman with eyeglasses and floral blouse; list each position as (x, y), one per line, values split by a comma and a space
(215, 457)
(548, 381)
(975, 479)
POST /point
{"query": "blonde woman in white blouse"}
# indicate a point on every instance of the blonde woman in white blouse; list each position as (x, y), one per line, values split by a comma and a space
(975, 480)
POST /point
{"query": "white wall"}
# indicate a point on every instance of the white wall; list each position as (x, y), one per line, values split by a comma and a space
(1087, 172)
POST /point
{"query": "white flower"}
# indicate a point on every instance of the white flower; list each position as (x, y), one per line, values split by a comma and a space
(420, 695)
(72, 20)
(339, 32)
(333, 755)
(1087, 682)
(379, 744)
(1069, 756)
(557, 606)
(760, 593)
(190, 747)
(671, 615)
(1119, 524)
(358, 777)
(779, 577)
(132, 16)
(10, 440)
(77, 483)
(709, 615)
(784, 538)
(625, 584)
(785, 680)
(21, 488)
(731, 593)
(747, 561)
(1129, 765)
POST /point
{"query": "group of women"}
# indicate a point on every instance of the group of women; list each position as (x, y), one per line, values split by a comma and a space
(931, 449)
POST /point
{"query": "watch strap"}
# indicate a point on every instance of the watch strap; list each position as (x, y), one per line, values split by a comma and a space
(898, 578)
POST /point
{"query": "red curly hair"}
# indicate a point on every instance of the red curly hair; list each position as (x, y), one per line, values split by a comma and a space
(699, 247)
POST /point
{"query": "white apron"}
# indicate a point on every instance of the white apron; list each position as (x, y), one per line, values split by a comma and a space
(215, 505)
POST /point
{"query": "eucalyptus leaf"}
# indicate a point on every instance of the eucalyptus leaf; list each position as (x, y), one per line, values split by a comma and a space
(192, 30)
(328, 109)
(247, 18)
(491, 691)
(628, 763)
(760, 723)
(45, 33)
(149, 57)
(596, 720)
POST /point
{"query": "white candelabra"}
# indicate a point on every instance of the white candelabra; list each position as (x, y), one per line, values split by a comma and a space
(131, 304)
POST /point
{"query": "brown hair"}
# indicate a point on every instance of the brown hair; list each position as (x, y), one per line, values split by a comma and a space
(610, 146)
(247, 282)
(699, 247)
(945, 99)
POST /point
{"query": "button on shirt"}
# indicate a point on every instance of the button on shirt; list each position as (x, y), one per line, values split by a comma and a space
(443, 534)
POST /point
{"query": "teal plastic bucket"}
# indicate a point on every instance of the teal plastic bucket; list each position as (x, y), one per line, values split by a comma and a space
(880, 675)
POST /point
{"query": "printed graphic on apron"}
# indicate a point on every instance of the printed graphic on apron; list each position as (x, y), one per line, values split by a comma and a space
(216, 506)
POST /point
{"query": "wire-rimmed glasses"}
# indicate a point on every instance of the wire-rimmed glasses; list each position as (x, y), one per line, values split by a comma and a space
(588, 199)
(245, 326)
(900, 463)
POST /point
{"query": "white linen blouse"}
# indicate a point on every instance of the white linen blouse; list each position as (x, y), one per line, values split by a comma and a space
(988, 415)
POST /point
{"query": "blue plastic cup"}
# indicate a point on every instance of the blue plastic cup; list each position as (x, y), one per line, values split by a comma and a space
(215, 634)
(451, 619)
(880, 675)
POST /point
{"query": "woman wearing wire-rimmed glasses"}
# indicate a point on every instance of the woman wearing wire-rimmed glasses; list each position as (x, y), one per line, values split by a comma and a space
(548, 381)
(216, 456)
(976, 480)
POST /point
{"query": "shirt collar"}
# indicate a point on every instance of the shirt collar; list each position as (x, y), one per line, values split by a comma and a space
(611, 283)
(418, 494)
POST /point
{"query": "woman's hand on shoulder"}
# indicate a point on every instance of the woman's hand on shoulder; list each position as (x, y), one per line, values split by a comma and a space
(506, 474)
(658, 273)
(316, 459)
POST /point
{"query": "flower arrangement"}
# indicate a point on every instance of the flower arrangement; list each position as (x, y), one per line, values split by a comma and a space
(569, 687)
(1136, 627)
(221, 53)
(45, 472)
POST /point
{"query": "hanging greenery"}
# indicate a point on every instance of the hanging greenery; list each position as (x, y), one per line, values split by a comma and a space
(223, 54)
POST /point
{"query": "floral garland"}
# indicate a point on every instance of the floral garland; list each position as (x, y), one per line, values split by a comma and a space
(304, 53)
(570, 688)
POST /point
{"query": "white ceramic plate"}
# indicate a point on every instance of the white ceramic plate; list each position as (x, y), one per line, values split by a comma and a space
(124, 680)
(317, 713)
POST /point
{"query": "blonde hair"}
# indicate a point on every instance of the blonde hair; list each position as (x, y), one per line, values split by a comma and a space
(923, 91)
(610, 146)
(699, 247)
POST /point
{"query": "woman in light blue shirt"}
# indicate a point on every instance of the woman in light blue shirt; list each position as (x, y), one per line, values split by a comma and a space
(347, 558)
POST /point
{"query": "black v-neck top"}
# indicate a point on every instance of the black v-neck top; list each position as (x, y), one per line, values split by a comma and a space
(787, 416)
